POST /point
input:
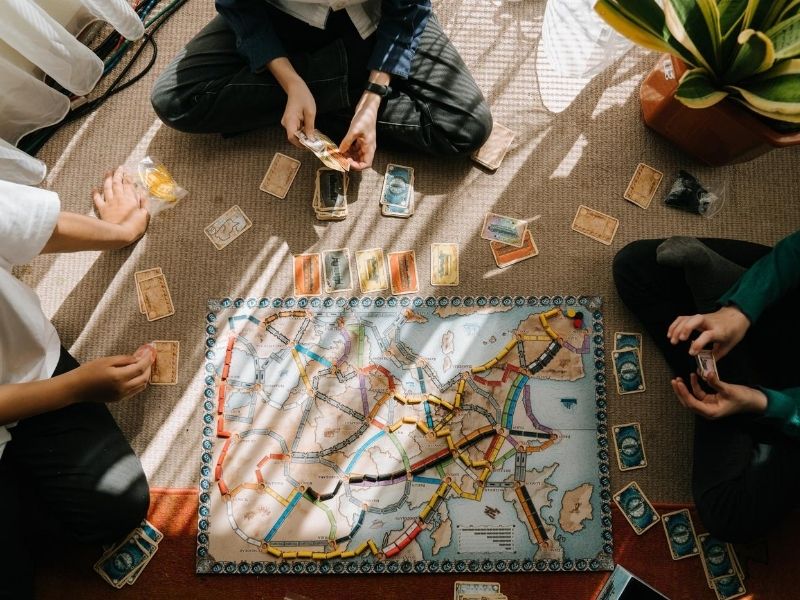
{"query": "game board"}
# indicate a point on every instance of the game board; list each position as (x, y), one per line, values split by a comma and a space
(385, 435)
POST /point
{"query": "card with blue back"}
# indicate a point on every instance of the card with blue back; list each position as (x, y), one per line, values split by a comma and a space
(681, 537)
(628, 371)
(630, 447)
(638, 510)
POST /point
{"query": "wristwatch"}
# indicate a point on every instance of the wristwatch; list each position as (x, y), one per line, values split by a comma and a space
(376, 88)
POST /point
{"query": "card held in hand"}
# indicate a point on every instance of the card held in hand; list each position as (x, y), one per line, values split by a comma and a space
(164, 370)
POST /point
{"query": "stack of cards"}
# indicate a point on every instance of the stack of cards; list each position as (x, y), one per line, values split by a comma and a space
(227, 227)
(509, 238)
(280, 175)
(165, 368)
(628, 370)
(124, 562)
(636, 508)
(643, 185)
(707, 364)
(324, 149)
(330, 195)
(723, 572)
(397, 196)
(153, 294)
(594, 224)
(477, 590)
(494, 149)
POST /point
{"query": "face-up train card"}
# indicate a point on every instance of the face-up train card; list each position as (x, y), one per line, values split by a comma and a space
(444, 264)
(336, 270)
(371, 270)
(307, 275)
(227, 227)
(403, 272)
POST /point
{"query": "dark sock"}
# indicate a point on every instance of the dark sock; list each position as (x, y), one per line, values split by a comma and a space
(708, 274)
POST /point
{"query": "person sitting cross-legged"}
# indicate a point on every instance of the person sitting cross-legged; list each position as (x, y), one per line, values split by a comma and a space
(365, 71)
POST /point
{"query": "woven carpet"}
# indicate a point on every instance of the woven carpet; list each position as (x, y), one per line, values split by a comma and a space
(584, 154)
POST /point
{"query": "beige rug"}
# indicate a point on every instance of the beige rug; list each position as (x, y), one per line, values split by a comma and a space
(584, 154)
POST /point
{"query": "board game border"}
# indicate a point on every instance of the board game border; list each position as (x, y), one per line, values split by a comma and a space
(206, 565)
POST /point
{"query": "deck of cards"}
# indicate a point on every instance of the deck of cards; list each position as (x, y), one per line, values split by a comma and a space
(124, 562)
(509, 239)
(477, 590)
(628, 370)
(397, 196)
(330, 194)
(325, 149)
(723, 571)
(152, 292)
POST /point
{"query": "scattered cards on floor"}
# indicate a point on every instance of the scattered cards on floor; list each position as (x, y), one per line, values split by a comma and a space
(643, 185)
(722, 568)
(506, 255)
(307, 275)
(681, 537)
(155, 300)
(444, 264)
(336, 270)
(330, 194)
(596, 225)
(125, 561)
(628, 371)
(325, 149)
(371, 270)
(164, 370)
(397, 196)
(506, 230)
(280, 175)
(636, 508)
(403, 272)
(227, 227)
(630, 447)
(494, 149)
(624, 340)
(707, 364)
(477, 590)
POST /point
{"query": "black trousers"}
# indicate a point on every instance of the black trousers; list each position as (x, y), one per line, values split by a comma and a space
(209, 88)
(66, 476)
(745, 474)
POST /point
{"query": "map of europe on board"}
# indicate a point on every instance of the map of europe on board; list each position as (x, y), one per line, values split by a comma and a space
(404, 435)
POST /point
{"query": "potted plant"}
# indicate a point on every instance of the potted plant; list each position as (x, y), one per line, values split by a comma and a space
(730, 90)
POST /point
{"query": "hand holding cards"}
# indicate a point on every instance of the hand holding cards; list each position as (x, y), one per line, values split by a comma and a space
(324, 149)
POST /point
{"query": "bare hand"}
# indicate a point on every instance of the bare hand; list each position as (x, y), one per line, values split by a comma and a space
(360, 143)
(724, 328)
(728, 398)
(121, 204)
(115, 378)
(301, 110)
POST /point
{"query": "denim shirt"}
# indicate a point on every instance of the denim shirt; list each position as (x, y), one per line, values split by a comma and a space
(397, 25)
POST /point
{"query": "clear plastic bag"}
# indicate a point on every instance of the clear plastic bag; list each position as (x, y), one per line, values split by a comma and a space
(703, 194)
(162, 190)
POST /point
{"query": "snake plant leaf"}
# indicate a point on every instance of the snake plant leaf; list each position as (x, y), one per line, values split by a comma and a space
(697, 90)
(775, 10)
(769, 115)
(631, 26)
(786, 67)
(786, 37)
(731, 13)
(779, 95)
(756, 55)
(756, 13)
(792, 9)
(696, 26)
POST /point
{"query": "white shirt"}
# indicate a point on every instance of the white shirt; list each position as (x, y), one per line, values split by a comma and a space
(29, 344)
(365, 14)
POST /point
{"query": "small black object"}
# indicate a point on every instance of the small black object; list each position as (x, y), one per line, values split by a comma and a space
(376, 88)
(579, 315)
(687, 194)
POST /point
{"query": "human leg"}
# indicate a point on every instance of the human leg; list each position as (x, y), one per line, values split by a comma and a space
(16, 565)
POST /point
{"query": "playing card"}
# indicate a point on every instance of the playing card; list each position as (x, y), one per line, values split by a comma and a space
(444, 264)
(680, 533)
(707, 364)
(463, 588)
(629, 445)
(628, 371)
(403, 272)
(397, 195)
(716, 557)
(307, 275)
(280, 175)
(638, 510)
(594, 224)
(624, 340)
(371, 270)
(336, 270)
(140, 275)
(164, 370)
(151, 550)
(728, 587)
(494, 149)
(643, 185)
(332, 194)
(227, 227)
(151, 531)
(505, 255)
(156, 299)
(506, 230)
(324, 149)
(119, 563)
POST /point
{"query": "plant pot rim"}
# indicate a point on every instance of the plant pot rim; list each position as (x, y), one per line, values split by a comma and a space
(750, 119)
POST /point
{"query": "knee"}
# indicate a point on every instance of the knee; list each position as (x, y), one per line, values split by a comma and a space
(462, 132)
(479, 128)
(630, 259)
(168, 103)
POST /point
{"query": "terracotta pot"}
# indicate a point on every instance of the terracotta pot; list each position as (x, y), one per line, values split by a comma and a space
(719, 135)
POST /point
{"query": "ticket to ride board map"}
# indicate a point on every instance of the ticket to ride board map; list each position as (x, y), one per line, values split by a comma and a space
(404, 435)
